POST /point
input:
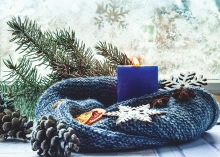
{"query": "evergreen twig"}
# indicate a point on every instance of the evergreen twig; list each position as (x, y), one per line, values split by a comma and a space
(78, 61)
(24, 84)
(62, 52)
(33, 42)
(114, 56)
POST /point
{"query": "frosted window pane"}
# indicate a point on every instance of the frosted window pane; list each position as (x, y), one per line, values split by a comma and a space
(176, 35)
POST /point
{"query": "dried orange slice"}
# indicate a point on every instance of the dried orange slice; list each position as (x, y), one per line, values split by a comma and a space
(96, 115)
(84, 117)
(91, 117)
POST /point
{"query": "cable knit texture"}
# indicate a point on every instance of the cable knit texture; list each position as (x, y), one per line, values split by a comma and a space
(183, 121)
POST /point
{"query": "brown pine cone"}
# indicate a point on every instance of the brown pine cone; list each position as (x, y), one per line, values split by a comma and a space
(51, 138)
(12, 125)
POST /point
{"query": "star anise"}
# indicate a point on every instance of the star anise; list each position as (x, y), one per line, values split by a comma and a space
(160, 101)
(183, 95)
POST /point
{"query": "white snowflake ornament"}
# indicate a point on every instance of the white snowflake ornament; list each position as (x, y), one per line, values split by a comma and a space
(184, 80)
(141, 113)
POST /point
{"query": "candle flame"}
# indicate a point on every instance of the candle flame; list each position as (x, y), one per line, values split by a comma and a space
(136, 61)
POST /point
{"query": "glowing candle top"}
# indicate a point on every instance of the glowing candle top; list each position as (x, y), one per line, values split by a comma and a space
(135, 80)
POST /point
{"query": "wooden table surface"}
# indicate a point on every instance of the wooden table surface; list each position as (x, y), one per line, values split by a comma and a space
(206, 146)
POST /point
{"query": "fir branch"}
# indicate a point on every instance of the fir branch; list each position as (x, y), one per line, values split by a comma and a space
(33, 42)
(79, 61)
(23, 84)
(107, 69)
(4, 87)
(72, 56)
(62, 52)
(23, 72)
(114, 56)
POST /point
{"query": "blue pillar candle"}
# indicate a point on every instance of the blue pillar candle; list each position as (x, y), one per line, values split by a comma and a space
(136, 81)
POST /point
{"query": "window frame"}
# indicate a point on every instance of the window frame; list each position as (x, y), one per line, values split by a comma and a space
(213, 86)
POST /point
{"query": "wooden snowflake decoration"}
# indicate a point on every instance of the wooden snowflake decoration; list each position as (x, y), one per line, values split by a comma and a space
(141, 113)
(184, 80)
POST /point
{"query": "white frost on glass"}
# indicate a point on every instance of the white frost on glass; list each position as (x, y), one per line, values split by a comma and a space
(175, 36)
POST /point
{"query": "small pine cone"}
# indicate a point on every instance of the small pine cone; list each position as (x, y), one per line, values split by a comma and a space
(6, 102)
(51, 138)
(12, 125)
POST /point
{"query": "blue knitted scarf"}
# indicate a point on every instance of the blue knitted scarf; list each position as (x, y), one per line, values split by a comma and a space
(183, 121)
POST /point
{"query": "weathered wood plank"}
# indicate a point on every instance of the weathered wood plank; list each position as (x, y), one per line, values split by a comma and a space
(213, 138)
(16, 148)
(200, 148)
(134, 153)
(208, 145)
(168, 151)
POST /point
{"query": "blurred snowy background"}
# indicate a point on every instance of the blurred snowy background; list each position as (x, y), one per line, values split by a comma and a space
(176, 35)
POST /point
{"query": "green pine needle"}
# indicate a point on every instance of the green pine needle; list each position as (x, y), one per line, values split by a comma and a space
(62, 52)
(24, 84)
(114, 56)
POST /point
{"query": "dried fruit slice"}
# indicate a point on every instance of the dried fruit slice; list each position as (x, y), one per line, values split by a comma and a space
(96, 115)
(91, 117)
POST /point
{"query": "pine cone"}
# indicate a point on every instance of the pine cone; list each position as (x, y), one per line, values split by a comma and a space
(6, 102)
(51, 138)
(12, 125)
